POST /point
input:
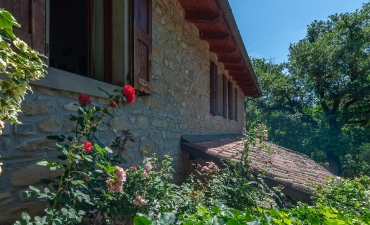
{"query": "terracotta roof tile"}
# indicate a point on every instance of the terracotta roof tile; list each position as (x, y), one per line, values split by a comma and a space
(283, 165)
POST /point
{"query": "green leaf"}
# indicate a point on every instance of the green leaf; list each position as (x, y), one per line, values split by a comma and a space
(167, 218)
(25, 216)
(97, 147)
(142, 220)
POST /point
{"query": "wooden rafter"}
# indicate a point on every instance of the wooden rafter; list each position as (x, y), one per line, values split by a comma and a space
(196, 17)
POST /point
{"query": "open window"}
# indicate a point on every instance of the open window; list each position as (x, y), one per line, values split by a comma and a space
(82, 35)
(107, 40)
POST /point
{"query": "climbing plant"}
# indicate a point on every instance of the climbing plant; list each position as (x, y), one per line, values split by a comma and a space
(19, 64)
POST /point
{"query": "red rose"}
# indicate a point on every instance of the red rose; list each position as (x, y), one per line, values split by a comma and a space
(113, 105)
(84, 99)
(130, 98)
(129, 93)
(88, 146)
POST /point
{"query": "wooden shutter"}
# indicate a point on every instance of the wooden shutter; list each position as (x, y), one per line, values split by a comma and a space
(224, 96)
(142, 76)
(213, 89)
(31, 15)
(236, 105)
(230, 99)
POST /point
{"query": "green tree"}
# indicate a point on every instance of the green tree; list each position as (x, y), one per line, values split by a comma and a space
(319, 100)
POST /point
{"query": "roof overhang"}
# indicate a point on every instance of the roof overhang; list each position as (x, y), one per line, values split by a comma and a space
(216, 24)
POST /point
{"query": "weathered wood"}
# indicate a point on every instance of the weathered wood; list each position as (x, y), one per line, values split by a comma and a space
(229, 102)
(229, 59)
(205, 17)
(31, 15)
(235, 67)
(220, 51)
(212, 37)
(213, 88)
(236, 104)
(142, 46)
(224, 88)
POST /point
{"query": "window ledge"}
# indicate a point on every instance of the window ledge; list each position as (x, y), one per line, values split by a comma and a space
(62, 80)
(218, 117)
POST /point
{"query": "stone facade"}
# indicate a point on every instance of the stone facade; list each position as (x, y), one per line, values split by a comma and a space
(178, 106)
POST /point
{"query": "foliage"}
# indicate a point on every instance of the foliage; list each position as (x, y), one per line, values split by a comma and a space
(20, 63)
(89, 171)
(351, 196)
(221, 214)
(318, 102)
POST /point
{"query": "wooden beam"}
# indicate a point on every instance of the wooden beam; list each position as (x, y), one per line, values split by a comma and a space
(217, 50)
(225, 59)
(234, 67)
(201, 17)
(214, 37)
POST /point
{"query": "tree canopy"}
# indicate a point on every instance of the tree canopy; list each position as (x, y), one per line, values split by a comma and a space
(318, 102)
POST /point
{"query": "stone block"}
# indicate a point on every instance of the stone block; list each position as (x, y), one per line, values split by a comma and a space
(73, 106)
(32, 175)
(7, 129)
(32, 208)
(119, 124)
(151, 103)
(159, 123)
(169, 75)
(147, 149)
(36, 144)
(5, 142)
(130, 156)
(33, 109)
(24, 129)
(142, 123)
(50, 125)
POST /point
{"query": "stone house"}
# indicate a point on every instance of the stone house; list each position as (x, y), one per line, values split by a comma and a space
(185, 58)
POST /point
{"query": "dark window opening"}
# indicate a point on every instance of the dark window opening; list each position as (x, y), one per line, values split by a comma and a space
(68, 35)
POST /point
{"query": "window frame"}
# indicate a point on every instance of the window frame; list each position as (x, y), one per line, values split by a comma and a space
(129, 78)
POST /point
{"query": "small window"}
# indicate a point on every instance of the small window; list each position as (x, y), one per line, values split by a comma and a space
(230, 100)
(218, 92)
(232, 95)
(213, 89)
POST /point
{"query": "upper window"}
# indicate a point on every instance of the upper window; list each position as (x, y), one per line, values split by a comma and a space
(232, 101)
(218, 90)
(107, 40)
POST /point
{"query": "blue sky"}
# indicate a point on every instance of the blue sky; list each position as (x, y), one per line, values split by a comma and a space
(269, 26)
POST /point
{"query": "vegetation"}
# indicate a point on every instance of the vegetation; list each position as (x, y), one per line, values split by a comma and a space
(18, 65)
(318, 102)
(93, 188)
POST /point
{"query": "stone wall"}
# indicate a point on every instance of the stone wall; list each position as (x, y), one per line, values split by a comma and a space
(179, 105)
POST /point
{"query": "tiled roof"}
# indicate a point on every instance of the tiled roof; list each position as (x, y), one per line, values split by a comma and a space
(292, 169)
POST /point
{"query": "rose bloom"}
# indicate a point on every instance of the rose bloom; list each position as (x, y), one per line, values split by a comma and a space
(87, 146)
(113, 105)
(130, 98)
(84, 99)
(129, 93)
(148, 168)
